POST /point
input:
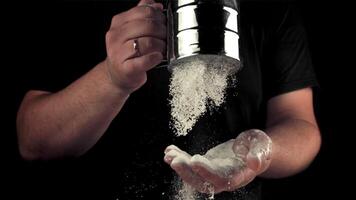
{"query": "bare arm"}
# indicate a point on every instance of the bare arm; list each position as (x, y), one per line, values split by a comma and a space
(295, 134)
(71, 121)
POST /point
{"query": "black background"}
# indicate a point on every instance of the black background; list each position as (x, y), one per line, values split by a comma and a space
(66, 33)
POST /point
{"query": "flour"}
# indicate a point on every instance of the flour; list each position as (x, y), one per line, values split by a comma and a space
(186, 192)
(220, 160)
(224, 163)
(197, 85)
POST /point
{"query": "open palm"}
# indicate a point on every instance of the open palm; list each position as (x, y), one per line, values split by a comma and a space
(227, 166)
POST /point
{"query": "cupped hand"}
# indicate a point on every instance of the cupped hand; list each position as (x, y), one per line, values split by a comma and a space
(227, 166)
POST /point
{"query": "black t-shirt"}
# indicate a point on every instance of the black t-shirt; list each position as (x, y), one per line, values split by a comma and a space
(127, 162)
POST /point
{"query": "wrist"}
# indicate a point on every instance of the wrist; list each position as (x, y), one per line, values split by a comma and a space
(112, 81)
(109, 83)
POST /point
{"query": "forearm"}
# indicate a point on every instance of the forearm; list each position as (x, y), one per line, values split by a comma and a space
(69, 122)
(295, 144)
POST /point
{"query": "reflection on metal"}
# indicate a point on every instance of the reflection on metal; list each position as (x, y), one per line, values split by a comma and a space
(202, 27)
(185, 2)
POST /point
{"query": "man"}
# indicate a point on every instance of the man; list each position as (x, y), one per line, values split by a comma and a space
(274, 87)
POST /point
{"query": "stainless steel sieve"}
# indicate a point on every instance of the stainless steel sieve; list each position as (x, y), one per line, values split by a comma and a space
(202, 27)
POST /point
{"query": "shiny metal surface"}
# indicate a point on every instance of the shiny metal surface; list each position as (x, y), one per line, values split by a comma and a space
(202, 27)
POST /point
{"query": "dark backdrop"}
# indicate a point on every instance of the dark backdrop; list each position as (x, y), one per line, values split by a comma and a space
(59, 32)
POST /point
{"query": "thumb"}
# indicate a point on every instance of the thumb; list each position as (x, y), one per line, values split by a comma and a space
(256, 145)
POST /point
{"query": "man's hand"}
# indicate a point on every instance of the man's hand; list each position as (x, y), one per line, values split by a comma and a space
(135, 43)
(226, 167)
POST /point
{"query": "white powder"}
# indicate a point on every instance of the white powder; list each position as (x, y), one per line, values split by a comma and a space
(196, 85)
(220, 160)
(199, 84)
(210, 188)
(186, 192)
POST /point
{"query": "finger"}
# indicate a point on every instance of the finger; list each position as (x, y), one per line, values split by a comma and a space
(142, 63)
(241, 146)
(259, 149)
(142, 2)
(142, 28)
(188, 176)
(241, 178)
(180, 163)
(171, 147)
(173, 152)
(258, 162)
(150, 3)
(240, 149)
(253, 162)
(145, 45)
(261, 145)
(210, 174)
(177, 156)
(140, 12)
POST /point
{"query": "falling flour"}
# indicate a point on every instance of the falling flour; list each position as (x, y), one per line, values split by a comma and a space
(186, 192)
(220, 160)
(196, 86)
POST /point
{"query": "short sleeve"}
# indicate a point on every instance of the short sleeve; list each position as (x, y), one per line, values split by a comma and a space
(288, 64)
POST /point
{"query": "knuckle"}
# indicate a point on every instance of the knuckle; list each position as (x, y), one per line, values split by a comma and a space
(110, 52)
(114, 36)
(111, 55)
(116, 19)
(148, 11)
(109, 36)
